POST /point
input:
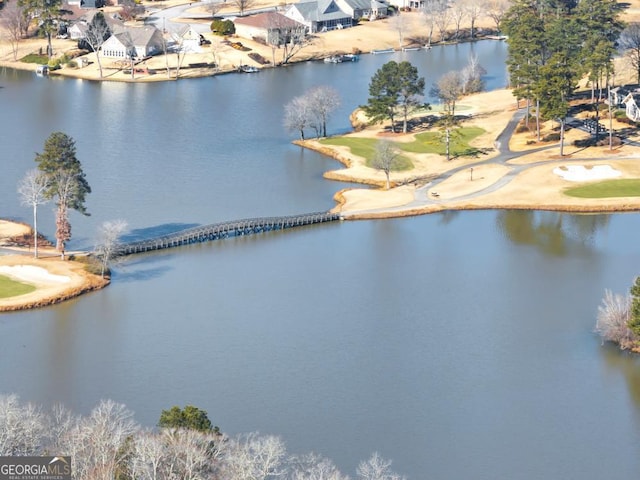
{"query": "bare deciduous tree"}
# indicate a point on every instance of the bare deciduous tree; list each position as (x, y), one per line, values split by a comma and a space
(613, 320)
(443, 17)
(297, 115)
(376, 468)
(474, 10)
(12, 20)
(458, 13)
(448, 90)
(33, 192)
(471, 76)
(254, 457)
(287, 35)
(323, 101)
(314, 467)
(97, 32)
(429, 12)
(496, 10)
(188, 453)
(214, 7)
(400, 24)
(385, 158)
(243, 5)
(23, 428)
(149, 456)
(109, 234)
(106, 429)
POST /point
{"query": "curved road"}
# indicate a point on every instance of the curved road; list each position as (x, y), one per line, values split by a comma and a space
(505, 154)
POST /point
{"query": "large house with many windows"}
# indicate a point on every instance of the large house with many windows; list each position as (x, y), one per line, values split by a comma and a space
(136, 42)
(319, 15)
(324, 15)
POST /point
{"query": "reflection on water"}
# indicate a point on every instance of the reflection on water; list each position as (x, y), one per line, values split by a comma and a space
(628, 365)
(552, 233)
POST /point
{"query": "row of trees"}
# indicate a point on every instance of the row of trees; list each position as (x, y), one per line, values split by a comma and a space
(311, 110)
(447, 17)
(619, 318)
(108, 444)
(60, 178)
(554, 44)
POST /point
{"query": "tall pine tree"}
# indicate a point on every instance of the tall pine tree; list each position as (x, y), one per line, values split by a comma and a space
(67, 183)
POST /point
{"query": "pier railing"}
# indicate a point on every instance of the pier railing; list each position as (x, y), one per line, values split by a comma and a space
(218, 231)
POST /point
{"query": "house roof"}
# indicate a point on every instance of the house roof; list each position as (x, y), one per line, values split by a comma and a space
(136, 36)
(633, 96)
(182, 32)
(320, 10)
(111, 20)
(268, 20)
(366, 4)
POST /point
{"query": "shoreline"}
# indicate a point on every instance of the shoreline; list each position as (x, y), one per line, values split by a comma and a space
(44, 272)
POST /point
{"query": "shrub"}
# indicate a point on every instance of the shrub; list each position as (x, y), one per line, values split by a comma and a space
(91, 264)
(613, 318)
(551, 137)
(223, 27)
(35, 58)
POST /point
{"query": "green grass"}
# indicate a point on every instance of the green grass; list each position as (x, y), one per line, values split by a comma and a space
(11, 288)
(607, 189)
(433, 142)
(428, 142)
(35, 58)
(366, 148)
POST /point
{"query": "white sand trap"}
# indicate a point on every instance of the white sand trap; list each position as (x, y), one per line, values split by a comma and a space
(31, 274)
(579, 173)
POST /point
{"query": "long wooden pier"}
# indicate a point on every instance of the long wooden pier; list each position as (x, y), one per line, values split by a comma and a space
(218, 231)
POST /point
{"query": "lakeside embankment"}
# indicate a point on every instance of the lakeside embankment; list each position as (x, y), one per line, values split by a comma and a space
(516, 173)
(55, 280)
(365, 37)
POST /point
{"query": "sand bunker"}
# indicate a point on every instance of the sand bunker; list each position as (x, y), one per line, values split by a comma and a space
(31, 274)
(580, 173)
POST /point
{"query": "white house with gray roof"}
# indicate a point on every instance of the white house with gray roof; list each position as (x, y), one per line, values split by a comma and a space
(319, 15)
(370, 9)
(140, 42)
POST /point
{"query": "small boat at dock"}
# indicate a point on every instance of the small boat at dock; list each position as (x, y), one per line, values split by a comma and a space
(248, 69)
(387, 50)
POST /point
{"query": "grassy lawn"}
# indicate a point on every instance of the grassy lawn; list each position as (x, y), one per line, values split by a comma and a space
(433, 142)
(366, 148)
(35, 58)
(629, 187)
(11, 288)
(428, 142)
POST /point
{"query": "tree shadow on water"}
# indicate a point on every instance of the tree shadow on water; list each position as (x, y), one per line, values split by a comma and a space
(140, 268)
(155, 231)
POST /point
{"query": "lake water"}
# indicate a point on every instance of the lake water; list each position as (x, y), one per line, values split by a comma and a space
(459, 345)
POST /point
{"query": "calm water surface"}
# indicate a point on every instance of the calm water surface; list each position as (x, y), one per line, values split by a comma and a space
(459, 345)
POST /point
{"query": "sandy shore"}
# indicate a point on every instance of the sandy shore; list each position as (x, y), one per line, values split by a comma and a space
(55, 280)
(364, 37)
(529, 181)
